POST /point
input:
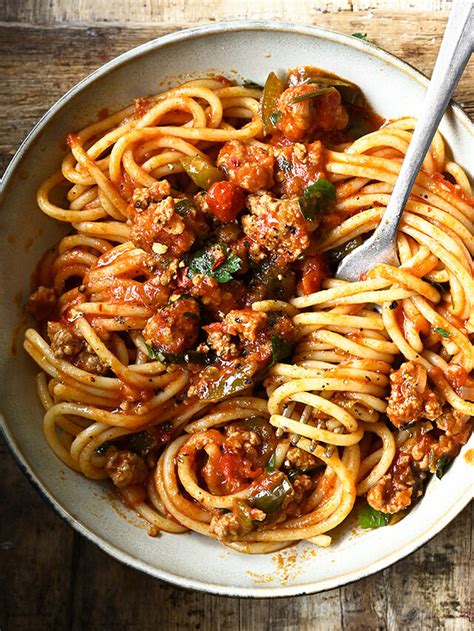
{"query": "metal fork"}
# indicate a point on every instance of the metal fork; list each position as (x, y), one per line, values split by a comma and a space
(455, 50)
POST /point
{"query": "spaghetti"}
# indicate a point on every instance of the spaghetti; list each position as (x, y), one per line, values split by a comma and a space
(194, 345)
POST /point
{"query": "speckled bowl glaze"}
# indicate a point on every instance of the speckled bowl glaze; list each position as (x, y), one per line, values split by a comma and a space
(245, 50)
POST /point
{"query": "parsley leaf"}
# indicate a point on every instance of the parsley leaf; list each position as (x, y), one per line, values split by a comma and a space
(441, 465)
(216, 261)
(360, 35)
(189, 357)
(441, 332)
(280, 349)
(316, 197)
(224, 272)
(371, 518)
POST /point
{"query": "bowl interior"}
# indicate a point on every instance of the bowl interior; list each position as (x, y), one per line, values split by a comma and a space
(245, 52)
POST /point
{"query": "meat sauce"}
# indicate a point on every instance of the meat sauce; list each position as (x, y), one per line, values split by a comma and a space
(202, 258)
(435, 435)
(211, 254)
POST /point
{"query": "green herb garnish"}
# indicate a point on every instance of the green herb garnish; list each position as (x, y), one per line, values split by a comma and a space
(371, 518)
(315, 198)
(350, 92)
(189, 357)
(360, 35)
(217, 262)
(441, 332)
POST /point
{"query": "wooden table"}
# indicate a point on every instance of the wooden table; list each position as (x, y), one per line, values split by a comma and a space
(53, 578)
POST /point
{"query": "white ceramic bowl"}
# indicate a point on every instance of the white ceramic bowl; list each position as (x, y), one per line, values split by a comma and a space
(246, 50)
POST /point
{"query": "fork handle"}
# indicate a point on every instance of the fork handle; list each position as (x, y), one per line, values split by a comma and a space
(453, 55)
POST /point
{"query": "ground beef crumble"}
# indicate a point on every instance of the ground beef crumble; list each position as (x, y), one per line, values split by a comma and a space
(277, 227)
(143, 197)
(298, 166)
(244, 322)
(300, 116)
(161, 230)
(247, 165)
(238, 327)
(221, 343)
(235, 525)
(242, 441)
(63, 341)
(410, 396)
(66, 344)
(125, 468)
(394, 491)
(299, 459)
(418, 457)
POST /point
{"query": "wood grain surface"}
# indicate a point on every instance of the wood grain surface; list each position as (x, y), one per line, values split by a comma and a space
(52, 577)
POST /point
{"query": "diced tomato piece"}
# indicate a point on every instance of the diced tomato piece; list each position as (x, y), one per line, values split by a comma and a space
(225, 200)
(236, 470)
(314, 270)
(229, 465)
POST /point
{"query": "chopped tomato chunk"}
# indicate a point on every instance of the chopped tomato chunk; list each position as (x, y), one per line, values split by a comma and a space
(225, 200)
(314, 270)
(235, 469)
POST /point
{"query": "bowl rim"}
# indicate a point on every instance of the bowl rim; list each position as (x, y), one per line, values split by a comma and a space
(113, 550)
